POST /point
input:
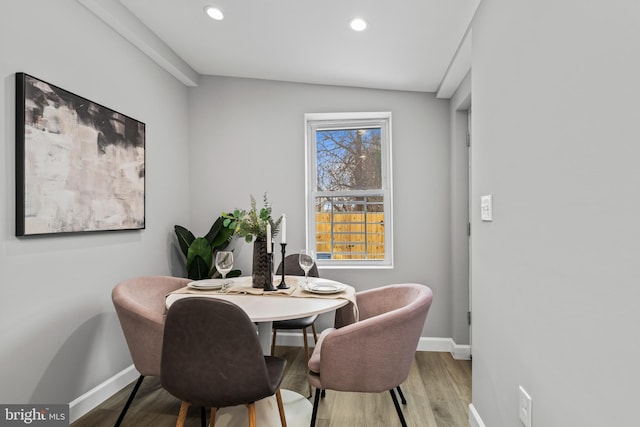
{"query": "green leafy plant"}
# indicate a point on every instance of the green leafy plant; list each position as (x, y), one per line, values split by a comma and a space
(254, 222)
(200, 251)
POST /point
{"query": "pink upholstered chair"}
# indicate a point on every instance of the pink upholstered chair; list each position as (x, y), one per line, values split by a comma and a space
(140, 306)
(374, 354)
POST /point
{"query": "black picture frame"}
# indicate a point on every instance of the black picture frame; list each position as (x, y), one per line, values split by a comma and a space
(80, 166)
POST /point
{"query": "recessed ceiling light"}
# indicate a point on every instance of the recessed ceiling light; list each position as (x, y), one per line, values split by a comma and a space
(358, 24)
(214, 13)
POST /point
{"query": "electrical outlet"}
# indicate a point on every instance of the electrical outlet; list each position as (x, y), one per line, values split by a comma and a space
(524, 407)
(486, 208)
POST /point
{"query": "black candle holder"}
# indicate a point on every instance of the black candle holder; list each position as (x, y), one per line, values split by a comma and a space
(268, 286)
(283, 284)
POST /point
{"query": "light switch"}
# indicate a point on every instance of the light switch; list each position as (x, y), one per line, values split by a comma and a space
(486, 208)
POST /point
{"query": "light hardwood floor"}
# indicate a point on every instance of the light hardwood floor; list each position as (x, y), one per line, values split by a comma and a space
(438, 393)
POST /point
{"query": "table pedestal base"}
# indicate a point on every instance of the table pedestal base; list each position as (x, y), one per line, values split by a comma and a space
(297, 409)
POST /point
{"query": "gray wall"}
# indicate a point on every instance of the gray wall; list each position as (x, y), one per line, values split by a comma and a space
(555, 275)
(459, 202)
(247, 137)
(60, 336)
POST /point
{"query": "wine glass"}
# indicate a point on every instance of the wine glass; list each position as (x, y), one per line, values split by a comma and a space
(306, 259)
(224, 264)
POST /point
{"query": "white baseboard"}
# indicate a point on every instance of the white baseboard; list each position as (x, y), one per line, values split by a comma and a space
(94, 397)
(101, 392)
(474, 417)
(435, 344)
(293, 339)
(459, 352)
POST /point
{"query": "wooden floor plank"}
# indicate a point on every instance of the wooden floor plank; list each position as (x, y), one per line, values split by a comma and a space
(438, 393)
(444, 399)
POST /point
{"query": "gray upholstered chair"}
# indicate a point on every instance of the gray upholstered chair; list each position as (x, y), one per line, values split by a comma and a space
(140, 306)
(374, 354)
(211, 356)
(292, 268)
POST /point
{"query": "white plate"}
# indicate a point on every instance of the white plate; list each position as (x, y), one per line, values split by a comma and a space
(324, 288)
(207, 284)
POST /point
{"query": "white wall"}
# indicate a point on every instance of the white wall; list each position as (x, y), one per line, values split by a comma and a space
(248, 137)
(555, 275)
(60, 336)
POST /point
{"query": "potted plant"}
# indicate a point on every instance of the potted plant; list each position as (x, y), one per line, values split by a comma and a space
(253, 224)
(200, 251)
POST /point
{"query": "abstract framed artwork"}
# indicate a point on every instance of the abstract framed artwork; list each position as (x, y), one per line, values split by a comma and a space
(80, 166)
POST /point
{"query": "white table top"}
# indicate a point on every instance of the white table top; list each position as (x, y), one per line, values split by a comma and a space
(268, 308)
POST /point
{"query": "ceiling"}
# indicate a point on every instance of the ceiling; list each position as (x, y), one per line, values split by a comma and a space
(411, 45)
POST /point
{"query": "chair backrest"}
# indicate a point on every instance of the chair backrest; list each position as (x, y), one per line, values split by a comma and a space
(375, 353)
(292, 267)
(140, 306)
(211, 354)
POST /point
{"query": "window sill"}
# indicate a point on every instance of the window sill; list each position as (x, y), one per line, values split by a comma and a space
(354, 267)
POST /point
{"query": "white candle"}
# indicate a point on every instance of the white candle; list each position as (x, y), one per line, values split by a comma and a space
(284, 228)
(268, 238)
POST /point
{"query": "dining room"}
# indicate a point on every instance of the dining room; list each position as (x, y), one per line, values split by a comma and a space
(550, 270)
(84, 358)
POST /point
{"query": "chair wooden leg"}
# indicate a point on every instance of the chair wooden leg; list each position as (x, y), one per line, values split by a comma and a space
(273, 341)
(306, 344)
(212, 418)
(129, 400)
(252, 414)
(283, 419)
(398, 409)
(316, 401)
(182, 415)
(315, 334)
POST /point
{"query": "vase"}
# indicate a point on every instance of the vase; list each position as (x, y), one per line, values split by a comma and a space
(261, 274)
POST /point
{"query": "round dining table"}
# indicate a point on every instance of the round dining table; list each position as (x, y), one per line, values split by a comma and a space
(264, 310)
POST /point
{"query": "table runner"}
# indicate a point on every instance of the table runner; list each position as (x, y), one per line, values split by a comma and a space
(243, 285)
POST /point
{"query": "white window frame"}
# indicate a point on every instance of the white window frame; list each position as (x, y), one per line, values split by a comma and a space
(319, 121)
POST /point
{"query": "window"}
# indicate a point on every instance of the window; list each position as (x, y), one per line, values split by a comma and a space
(349, 188)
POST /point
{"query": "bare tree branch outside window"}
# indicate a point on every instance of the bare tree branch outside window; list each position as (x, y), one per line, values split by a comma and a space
(348, 159)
